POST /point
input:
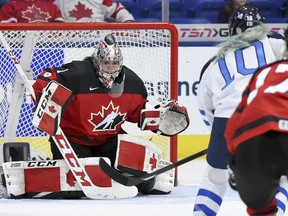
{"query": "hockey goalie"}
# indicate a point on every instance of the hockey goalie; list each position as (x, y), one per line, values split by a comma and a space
(89, 101)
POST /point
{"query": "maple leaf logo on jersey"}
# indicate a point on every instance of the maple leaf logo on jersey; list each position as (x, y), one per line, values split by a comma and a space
(153, 162)
(107, 119)
(81, 11)
(35, 14)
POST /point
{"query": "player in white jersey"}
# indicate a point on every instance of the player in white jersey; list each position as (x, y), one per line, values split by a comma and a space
(222, 82)
(93, 11)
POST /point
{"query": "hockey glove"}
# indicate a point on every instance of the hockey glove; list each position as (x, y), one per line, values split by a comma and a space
(167, 119)
(53, 101)
(174, 118)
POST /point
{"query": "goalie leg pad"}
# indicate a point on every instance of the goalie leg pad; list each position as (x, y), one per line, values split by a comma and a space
(53, 101)
(164, 183)
(136, 154)
(34, 179)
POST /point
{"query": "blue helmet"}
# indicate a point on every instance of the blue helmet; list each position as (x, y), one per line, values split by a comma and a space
(244, 18)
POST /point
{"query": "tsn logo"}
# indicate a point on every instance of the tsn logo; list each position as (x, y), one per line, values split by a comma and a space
(215, 33)
(206, 32)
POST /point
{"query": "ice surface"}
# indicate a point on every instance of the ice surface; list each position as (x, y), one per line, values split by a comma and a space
(179, 203)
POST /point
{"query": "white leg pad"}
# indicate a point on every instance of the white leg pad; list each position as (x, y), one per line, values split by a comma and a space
(55, 176)
(165, 181)
(136, 153)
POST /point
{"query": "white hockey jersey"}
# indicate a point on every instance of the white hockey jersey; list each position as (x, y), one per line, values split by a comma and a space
(224, 80)
(93, 11)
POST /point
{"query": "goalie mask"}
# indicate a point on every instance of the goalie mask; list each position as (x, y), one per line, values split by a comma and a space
(108, 60)
(244, 18)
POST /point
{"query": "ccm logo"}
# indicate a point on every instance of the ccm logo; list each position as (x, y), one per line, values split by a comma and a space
(42, 163)
(15, 165)
(72, 160)
(44, 103)
(164, 162)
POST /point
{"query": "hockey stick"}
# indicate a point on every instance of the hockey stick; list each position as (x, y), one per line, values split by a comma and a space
(134, 180)
(79, 172)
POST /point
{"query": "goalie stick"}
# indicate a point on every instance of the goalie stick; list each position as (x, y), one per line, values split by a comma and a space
(89, 189)
(134, 180)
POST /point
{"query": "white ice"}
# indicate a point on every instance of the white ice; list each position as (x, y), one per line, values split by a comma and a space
(179, 203)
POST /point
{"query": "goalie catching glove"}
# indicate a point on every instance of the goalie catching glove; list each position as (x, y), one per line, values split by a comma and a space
(168, 118)
(53, 101)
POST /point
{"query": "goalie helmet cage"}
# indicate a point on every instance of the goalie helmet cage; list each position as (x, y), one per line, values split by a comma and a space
(149, 49)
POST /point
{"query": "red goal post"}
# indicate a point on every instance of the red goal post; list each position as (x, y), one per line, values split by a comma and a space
(149, 49)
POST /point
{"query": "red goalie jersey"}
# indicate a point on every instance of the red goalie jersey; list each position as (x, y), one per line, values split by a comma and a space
(93, 115)
(267, 92)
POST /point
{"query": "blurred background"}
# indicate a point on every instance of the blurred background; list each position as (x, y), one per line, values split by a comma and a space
(198, 11)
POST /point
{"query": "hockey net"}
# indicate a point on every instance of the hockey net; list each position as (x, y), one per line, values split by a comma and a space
(148, 49)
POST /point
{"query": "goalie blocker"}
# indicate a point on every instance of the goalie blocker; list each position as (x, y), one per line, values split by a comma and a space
(53, 101)
(53, 178)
